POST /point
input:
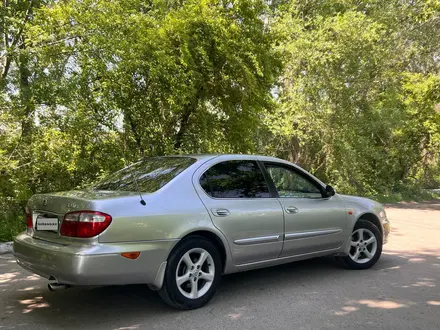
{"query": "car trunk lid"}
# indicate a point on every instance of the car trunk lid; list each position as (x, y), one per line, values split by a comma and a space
(48, 210)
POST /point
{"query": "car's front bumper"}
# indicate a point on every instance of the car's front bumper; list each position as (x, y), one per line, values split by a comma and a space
(99, 264)
(386, 231)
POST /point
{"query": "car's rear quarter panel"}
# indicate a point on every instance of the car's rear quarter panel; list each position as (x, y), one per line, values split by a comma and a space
(169, 213)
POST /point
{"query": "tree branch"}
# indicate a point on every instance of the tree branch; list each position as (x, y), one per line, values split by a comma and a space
(8, 60)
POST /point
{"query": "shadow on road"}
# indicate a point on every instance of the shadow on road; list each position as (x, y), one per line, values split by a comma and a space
(389, 288)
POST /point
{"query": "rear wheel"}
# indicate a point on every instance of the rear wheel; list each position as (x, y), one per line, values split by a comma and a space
(365, 246)
(192, 275)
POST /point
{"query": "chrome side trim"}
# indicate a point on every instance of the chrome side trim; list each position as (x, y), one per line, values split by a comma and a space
(257, 240)
(308, 234)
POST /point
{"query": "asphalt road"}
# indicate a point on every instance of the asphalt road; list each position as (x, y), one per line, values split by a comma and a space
(402, 291)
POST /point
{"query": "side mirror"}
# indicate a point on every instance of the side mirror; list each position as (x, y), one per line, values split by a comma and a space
(329, 191)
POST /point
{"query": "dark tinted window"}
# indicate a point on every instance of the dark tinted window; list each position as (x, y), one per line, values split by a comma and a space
(235, 179)
(151, 174)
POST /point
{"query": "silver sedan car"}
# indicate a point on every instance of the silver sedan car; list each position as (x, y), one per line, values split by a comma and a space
(178, 223)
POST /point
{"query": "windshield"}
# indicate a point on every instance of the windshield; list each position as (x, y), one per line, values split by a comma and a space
(151, 174)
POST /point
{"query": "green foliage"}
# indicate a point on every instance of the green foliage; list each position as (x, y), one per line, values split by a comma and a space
(191, 77)
(357, 102)
(348, 89)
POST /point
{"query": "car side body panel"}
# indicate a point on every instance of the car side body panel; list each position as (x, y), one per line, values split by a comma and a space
(319, 224)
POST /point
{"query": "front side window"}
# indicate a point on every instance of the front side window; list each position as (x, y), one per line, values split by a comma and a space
(291, 184)
(235, 179)
(151, 174)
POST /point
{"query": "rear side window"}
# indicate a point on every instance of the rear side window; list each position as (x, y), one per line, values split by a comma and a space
(235, 179)
(151, 174)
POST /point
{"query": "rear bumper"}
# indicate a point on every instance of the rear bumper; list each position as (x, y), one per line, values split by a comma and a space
(100, 264)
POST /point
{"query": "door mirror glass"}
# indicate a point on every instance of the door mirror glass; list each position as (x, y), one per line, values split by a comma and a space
(329, 191)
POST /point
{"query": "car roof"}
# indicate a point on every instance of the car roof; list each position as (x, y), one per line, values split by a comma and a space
(196, 156)
(207, 157)
(230, 156)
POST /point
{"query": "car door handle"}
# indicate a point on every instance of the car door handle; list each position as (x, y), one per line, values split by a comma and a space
(291, 209)
(220, 212)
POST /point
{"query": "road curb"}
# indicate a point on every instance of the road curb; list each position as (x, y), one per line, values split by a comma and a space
(5, 247)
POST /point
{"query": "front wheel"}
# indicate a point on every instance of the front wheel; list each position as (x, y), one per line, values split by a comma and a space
(192, 275)
(365, 246)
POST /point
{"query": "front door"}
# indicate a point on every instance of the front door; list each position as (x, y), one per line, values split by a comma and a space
(237, 197)
(312, 222)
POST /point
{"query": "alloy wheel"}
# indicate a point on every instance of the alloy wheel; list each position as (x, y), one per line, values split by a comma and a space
(363, 246)
(195, 273)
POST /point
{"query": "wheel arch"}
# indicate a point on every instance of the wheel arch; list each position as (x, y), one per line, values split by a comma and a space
(367, 216)
(373, 219)
(213, 238)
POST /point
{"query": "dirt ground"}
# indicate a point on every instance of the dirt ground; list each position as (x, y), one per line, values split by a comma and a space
(415, 228)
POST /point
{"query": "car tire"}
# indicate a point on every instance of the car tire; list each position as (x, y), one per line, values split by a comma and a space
(190, 282)
(364, 250)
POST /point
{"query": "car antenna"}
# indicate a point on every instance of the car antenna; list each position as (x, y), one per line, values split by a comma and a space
(136, 183)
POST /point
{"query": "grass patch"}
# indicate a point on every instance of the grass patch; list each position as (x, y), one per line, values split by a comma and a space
(408, 196)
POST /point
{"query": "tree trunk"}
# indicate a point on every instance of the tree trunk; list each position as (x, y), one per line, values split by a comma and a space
(136, 134)
(26, 97)
(184, 120)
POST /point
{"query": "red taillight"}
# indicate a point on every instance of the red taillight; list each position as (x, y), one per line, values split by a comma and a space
(84, 223)
(28, 218)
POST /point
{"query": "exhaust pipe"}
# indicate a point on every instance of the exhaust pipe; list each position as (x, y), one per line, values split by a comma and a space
(57, 286)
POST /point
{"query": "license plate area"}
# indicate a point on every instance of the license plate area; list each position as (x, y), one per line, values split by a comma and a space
(46, 223)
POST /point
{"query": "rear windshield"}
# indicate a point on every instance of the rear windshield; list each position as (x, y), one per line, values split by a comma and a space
(151, 174)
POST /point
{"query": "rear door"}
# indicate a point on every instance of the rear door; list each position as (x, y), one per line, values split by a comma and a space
(313, 223)
(238, 199)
